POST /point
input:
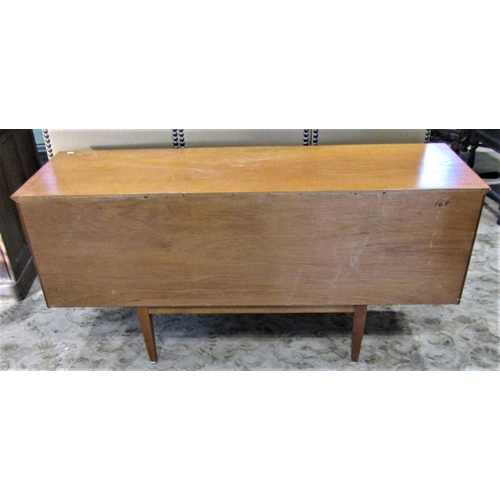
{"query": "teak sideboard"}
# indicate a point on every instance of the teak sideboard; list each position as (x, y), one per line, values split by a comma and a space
(253, 229)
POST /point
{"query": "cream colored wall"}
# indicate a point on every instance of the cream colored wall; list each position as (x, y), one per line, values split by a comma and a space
(370, 136)
(68, 140)
(197, 138)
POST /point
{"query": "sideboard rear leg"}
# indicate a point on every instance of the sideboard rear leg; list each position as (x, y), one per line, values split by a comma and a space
(146, 322)
(358, 330)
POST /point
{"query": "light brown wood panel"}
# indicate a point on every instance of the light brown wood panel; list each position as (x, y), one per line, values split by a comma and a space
(251, 310)
(285, 249)
(253, 170)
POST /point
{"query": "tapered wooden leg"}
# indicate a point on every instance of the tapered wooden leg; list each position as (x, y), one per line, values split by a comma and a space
(146, 322)
(358, 330)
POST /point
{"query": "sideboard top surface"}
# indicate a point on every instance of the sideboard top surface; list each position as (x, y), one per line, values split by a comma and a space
(252, 170)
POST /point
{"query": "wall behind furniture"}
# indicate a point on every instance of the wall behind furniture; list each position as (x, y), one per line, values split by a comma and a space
(68, 140)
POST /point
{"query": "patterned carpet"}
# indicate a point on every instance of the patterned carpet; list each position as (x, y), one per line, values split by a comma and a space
(463, 337)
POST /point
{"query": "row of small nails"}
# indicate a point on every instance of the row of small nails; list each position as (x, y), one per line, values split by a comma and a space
(48, 145)
(178, 137)
(305, 137)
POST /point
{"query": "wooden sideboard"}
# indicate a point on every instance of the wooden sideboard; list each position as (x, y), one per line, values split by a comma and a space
(253, 229)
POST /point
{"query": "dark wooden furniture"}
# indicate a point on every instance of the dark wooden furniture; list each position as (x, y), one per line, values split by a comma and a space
(18, 162)
(253, 229)
(487, 138)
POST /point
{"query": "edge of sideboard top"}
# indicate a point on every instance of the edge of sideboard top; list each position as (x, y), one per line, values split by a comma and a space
(260, 169)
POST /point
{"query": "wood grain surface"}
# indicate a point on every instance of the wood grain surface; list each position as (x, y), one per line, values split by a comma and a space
(147, 328)
(358, 330)
(254, 249)
(251, 310)
(270, 169)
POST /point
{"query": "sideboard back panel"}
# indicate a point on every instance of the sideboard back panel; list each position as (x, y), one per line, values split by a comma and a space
(251, 249)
